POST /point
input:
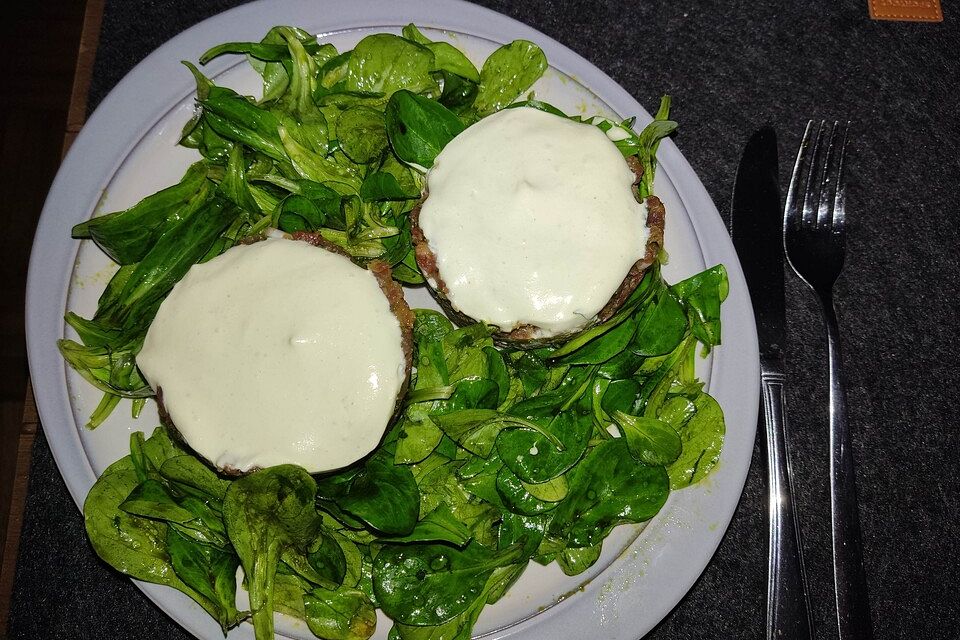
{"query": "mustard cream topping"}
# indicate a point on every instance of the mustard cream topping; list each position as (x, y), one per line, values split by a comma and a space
(277, 352)
(533, 220)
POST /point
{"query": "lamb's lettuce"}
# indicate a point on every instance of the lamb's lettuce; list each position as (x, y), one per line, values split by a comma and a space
(148, 548)
(507, 74)
(419, 127)
(270, 514)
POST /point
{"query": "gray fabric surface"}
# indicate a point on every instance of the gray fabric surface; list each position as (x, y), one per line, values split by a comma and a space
(731, 67)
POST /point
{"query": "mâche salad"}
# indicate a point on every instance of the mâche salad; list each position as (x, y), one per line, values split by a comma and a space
(543, 418)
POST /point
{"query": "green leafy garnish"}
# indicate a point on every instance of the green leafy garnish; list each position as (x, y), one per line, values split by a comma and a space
(149, 548)
(419, 128)
(270, 514)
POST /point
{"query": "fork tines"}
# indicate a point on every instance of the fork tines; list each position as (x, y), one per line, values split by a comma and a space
(821, 173)
(813, 223)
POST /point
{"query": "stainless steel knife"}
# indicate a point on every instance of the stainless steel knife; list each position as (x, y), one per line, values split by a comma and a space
(758, 237)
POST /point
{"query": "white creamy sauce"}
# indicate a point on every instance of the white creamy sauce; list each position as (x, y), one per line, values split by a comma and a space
(277, 352)
(533, 220)
(615, 132)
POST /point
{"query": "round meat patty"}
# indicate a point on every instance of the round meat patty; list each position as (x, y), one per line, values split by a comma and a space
(531, 223)
(281, 352)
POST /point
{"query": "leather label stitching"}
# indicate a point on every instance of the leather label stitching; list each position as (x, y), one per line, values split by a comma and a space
(907, 10)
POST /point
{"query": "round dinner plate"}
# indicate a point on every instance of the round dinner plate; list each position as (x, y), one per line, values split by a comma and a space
(128, 150)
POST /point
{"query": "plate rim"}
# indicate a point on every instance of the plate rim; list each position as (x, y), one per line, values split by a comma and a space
(47, 265)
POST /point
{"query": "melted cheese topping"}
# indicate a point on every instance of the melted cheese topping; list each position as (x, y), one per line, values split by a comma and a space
(277, 352)
(533, 220)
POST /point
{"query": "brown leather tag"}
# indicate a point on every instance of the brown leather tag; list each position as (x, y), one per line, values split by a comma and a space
(908, 10)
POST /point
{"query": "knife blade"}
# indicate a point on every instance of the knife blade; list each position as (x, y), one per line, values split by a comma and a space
(758, 238)
(757, 228)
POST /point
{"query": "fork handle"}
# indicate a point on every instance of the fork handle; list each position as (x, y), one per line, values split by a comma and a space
(853, 602)
(788, 607)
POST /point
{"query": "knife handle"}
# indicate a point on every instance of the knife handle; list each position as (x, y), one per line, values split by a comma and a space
(788, 606)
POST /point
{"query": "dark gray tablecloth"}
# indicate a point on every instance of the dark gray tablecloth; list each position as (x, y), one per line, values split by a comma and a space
(731, 66)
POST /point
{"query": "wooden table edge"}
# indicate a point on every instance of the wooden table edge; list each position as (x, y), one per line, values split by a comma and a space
(30, 422)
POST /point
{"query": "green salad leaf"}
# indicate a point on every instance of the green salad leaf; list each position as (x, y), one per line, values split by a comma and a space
(149, 548)
(385, 63)
(341, 614)
(382, 494)
(608, 489)
(431, 584)
(268, 513)
(702, 439)
(419, 127)
(125, 236)
(209, 570)
(447, 58)
(507, 73)
(649, 440)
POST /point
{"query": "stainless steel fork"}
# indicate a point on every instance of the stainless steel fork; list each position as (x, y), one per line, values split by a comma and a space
(814, 239)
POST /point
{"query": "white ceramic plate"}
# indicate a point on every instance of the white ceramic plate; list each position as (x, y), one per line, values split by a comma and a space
(128, 150)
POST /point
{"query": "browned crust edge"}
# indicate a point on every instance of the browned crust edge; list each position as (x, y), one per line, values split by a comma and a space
(525, 336)
(398, 306)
